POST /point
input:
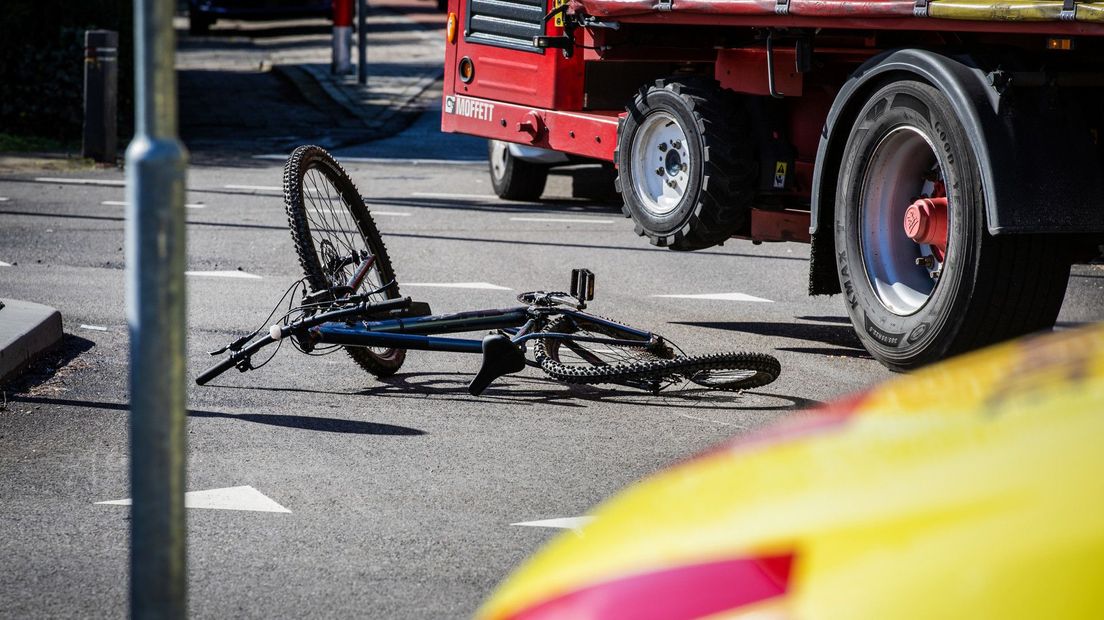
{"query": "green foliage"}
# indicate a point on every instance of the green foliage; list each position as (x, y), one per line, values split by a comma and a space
(42, 64)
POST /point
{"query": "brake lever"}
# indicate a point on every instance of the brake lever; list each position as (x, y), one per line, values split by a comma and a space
(234, 346)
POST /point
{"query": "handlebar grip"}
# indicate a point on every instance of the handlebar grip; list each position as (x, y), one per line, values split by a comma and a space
(216, 370)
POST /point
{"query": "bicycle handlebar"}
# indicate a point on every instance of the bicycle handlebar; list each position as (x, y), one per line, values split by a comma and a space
(237, 356)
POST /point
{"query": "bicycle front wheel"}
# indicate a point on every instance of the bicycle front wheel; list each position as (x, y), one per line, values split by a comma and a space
(334, 235)
(648, 366)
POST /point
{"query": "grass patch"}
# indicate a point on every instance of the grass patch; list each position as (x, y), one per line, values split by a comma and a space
(24, 144)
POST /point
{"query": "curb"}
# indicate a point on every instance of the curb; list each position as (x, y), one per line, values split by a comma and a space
(27, 330)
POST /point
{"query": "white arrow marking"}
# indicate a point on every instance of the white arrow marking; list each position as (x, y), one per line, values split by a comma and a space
(95, 328)
(560, 220)
(223, 274)
(720, 297)
(63, 181)
(567, 523)
(476, 285)
(230, 498)
(121, 203)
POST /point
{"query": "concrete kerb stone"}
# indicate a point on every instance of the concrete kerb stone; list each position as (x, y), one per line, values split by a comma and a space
(27, 330)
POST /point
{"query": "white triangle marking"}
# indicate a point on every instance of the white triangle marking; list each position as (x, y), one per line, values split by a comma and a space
(567, 523)
(3, 264)
(720, 297)
(476, 285)
(223, 274)
(229, 498)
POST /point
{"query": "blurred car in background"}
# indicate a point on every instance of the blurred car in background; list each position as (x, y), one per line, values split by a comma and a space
(202, 14)
(970, 489)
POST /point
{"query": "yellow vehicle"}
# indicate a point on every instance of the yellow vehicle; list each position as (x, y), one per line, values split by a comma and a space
(971, 489)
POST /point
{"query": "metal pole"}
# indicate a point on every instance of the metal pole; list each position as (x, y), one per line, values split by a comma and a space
(155, 165)
(101, 71)
(362, 42)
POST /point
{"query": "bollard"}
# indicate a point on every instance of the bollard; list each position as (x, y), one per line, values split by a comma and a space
(101, 79)
(362, 42)
(342, 37)
(156, 162)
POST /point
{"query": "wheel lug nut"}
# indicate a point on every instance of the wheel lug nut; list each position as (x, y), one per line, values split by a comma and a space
(672, 185)
(926, 261)
(659, 171)
(682, 167)
(662, 148)
(677, 144)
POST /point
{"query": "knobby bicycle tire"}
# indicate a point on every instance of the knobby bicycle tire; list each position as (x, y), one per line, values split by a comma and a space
(717, 371)
(340, 217)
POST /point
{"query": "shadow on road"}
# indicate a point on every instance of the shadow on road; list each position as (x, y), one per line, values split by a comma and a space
(307, 423)
(839, 335)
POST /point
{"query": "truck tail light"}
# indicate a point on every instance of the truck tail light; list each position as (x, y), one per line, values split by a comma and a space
(466, 70)
(450, 29)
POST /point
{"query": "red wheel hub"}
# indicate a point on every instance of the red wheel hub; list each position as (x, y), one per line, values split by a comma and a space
(926, 223)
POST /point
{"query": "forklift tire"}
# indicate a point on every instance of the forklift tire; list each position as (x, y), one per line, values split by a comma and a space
(687, 172)
(512, 178)
(911, 303)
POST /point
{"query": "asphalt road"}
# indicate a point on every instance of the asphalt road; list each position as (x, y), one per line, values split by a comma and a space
(401, 494)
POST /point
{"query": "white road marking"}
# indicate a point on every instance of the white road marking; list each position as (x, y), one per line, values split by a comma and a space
(4, 199)
(487, 286)
(561, 220)
(65, 181)
(223, 274)
(389, 160)
(372, 211)
(3, 264)
(256, 188)
(447, 195)
(122, 203)
(229, 498)
(720, 297)
(567, 523)
(95, 328)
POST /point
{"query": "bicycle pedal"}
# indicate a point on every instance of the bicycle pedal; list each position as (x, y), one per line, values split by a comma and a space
(582, 286)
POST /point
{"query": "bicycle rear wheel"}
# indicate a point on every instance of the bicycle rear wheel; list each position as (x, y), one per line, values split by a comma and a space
(334, 235)
(652, 367)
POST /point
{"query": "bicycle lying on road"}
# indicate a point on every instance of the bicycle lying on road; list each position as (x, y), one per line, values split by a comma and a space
(350, 299)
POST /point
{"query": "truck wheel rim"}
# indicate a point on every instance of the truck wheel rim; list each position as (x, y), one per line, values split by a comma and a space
(660, 163)
(902, 167)
(498, 159)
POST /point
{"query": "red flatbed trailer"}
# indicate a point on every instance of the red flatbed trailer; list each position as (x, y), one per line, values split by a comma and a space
(943, 157)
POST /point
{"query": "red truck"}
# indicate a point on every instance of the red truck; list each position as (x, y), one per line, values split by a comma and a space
(942, 157)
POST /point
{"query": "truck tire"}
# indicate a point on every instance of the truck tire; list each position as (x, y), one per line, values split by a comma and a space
(512, 178)
(913, 302)
(686, 169)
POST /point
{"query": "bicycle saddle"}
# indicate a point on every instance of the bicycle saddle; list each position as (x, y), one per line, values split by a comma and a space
(500, 357)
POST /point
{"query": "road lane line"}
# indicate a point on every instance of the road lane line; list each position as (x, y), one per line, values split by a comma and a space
(487, 286)
(65, 181)
(561, 220)
(122, 203)
(4, 199)
(447, 195)
(719, 297)
(3, 264)
(223, 274)
(389, 160)
(567, 523)
(256, 188)
(95, 328)
(372, 211)
(229, 498)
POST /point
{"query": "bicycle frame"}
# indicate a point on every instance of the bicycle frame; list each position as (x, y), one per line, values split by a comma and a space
(418, 333)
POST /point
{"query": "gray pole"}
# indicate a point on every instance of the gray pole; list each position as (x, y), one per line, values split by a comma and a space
(155, 166)
(101, 70)
(362, 41)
